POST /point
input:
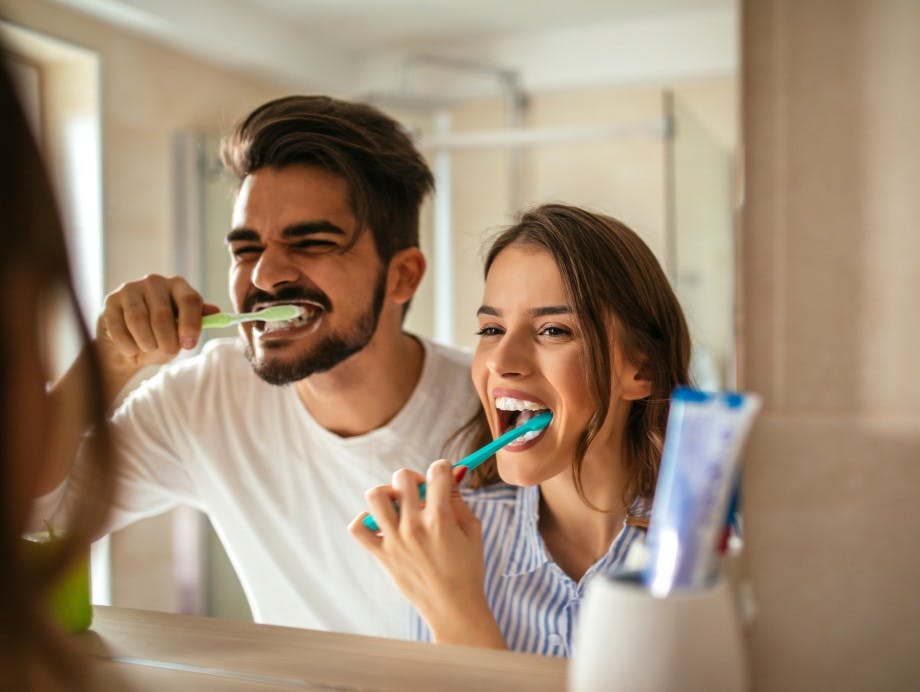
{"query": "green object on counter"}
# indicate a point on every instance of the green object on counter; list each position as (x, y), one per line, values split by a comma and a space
(69, 600)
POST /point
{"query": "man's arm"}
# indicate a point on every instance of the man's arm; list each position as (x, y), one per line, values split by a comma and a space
(145, 322)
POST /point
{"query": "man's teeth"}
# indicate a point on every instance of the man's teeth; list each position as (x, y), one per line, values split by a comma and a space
(300, 321)
(506, 403)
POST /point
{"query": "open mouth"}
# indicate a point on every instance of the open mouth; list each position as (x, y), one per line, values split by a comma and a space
(309, 317)
(514, 412)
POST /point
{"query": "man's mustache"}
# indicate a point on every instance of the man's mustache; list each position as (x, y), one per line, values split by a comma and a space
(288, 294)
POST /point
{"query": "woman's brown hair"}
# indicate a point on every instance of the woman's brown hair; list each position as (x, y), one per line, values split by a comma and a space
(32, 654)
(612, 280)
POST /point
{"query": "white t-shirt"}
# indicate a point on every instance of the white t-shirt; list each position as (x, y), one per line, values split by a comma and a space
(278, 488)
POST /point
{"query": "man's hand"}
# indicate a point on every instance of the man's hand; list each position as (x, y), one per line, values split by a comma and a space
(147, 322)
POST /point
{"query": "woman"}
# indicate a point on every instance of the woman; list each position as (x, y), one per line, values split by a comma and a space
(35, 277)
(578, 318)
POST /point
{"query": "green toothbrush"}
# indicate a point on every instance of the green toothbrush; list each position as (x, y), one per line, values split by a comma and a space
(538, 422)
(275, 313)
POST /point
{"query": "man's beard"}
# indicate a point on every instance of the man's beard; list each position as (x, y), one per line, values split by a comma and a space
(330, 351)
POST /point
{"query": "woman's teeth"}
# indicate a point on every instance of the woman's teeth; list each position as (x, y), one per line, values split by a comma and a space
(518, 412)
(528, 436)
(506, 403)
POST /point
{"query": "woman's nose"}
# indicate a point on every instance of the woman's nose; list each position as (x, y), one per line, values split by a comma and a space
(511, 356)
(274, 268)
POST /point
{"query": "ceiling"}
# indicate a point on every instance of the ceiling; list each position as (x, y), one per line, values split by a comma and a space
(358, 45)
(378, 24)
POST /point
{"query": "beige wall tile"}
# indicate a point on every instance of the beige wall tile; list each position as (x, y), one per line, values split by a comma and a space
(830, 286)
(831, 532)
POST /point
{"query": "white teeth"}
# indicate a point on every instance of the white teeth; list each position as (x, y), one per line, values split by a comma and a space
(527, 436)
(506, 403)
(300, 321)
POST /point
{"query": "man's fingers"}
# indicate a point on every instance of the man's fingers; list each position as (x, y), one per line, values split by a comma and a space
(189, 307)
(162, 316)
(209, 309)
(112, 327)
(154, 317)
(137, 320)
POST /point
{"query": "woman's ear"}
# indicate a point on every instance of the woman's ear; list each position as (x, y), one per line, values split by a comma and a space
(407, 267)
(637, 381)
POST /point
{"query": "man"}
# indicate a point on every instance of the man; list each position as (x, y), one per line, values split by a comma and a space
(326, 218)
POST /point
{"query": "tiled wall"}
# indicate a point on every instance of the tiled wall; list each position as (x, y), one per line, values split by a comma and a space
(831, 338)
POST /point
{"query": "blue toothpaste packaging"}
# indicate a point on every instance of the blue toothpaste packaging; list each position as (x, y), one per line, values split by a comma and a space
(700, 470)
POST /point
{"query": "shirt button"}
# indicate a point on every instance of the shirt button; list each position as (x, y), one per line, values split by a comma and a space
(555, 640)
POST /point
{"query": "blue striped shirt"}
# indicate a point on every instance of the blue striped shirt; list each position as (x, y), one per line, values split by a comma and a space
(534, 602)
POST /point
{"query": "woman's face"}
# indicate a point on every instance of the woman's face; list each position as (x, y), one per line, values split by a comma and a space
(531, 357)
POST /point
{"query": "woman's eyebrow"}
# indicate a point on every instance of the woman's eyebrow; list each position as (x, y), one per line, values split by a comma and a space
(550, 310)
(533, 312)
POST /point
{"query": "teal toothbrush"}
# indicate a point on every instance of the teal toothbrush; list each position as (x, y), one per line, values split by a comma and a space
(275, 313)
(480, 455)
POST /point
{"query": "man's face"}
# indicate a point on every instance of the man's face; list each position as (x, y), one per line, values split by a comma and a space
(289, 244)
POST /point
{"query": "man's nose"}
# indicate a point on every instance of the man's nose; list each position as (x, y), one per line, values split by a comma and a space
(274, 268)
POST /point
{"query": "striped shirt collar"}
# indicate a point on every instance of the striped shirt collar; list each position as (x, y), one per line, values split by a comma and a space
(529, 552)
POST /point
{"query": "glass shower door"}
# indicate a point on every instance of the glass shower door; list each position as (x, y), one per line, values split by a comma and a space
(701, 259)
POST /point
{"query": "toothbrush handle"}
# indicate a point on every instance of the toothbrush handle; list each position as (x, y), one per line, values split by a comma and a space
(219, 319)
(472, 461)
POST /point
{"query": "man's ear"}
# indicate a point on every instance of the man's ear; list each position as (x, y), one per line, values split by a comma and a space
(637, 383)
(407, 267)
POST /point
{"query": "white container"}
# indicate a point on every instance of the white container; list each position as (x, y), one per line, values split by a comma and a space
(629, 640)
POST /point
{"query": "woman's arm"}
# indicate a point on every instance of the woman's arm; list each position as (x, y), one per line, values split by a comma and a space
(433, 552)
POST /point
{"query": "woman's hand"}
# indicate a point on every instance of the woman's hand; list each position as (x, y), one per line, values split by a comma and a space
(433, 552)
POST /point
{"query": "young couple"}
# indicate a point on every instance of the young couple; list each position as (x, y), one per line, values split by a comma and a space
(577, 318)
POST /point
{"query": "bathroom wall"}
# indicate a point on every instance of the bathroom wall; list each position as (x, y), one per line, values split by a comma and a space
(829, 336)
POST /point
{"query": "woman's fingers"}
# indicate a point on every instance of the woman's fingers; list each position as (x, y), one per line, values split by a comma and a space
(380, 505)
(406, 484)
(403, 517)
(440, 489)
(367, 538)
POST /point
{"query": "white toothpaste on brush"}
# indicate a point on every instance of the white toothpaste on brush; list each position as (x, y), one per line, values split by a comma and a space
(700, 465)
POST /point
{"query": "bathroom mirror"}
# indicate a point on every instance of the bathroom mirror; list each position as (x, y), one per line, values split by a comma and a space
(642, 153)
(628, 107)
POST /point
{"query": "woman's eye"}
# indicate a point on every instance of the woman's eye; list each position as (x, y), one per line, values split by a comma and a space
(488, 331)
(553, 330)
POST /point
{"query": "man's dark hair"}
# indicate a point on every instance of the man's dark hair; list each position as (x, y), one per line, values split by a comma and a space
(387, 177)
